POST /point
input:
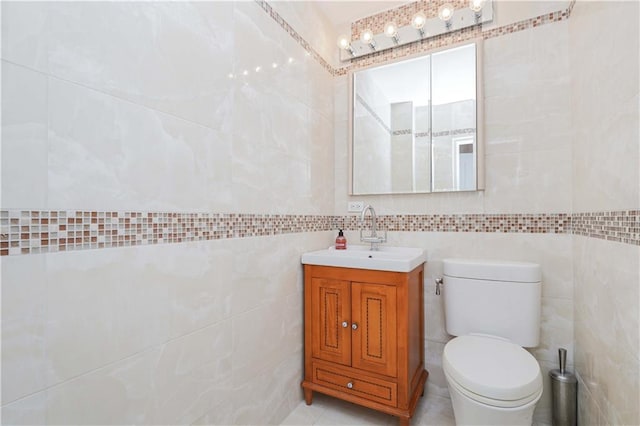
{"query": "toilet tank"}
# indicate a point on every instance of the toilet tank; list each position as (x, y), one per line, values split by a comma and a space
(492, 297)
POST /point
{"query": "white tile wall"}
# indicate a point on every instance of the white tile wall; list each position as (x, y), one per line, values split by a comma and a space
(605, 104)
(129, 107)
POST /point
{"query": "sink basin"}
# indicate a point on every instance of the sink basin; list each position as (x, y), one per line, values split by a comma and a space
(395, 259)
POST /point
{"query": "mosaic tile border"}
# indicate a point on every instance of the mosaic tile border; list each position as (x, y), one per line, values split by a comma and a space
(402, 16)
(35, 231)
(32, 232)
(373, 114)
(294, 34)
(620, 226)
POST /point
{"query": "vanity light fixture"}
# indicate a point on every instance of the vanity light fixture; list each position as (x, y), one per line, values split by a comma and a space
(418, 21)
(367, 38)
(445, 13)
(421, 27)
(476, 6)
(345, 44)
(391, 31)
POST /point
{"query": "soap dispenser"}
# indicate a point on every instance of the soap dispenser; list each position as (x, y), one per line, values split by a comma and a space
(341, 241)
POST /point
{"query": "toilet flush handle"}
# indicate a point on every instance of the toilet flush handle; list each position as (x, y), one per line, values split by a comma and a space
(439, 282)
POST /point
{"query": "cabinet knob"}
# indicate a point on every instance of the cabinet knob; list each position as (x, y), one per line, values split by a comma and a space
(345, 324)
(354, 326)
(350, 385)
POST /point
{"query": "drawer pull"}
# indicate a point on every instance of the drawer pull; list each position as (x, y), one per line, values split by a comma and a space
(345, 324)
(354, 326)
(350, 385)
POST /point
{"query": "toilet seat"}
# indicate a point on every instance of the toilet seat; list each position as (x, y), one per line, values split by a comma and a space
(492, 371)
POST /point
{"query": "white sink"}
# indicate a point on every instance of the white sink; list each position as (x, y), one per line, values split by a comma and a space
(395, 259)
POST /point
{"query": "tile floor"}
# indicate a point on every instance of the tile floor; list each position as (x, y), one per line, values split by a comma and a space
(432, 410)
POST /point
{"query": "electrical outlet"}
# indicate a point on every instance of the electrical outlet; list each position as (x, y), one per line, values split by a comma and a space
(355, 206)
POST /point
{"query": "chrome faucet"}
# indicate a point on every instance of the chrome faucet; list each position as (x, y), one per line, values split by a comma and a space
(372, 238)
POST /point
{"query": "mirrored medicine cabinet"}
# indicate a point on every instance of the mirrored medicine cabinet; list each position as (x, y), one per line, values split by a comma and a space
(416, 124)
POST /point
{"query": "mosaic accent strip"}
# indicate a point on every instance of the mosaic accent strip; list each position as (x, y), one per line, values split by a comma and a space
(31, 232)
(507, 223)
(294, 34)
(401, 132)
(454, 132)
(402, 16)
(620, 226)
(370, 110)
(558, 16)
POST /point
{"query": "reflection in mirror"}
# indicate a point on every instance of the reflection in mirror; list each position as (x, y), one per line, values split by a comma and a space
(414, 125)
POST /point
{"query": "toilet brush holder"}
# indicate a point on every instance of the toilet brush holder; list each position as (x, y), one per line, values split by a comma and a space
(564, 394)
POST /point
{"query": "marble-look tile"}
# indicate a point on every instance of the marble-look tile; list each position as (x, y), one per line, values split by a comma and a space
(556, 330)
(263, 275)
(605, 115)
(434, 410)
(436, 382)
(259, 42)
(103, 306)
(532, 182)
(24, 137)
(310, 22)
(431, 410)
(268, 389)
(30, 410)
(192, 373)
(173, 383)
(589, 414)
(606, 325)
(108, 154)
(24, 311)
(25, 26)
(201, 284)
(322, 180)
(185, 71)
(523, 61)
(511, 12)
(279, 321)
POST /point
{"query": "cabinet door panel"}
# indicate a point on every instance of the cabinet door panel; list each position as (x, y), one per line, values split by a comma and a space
(331, 306)
(374, 340)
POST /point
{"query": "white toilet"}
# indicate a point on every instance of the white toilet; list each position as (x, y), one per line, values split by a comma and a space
(494, 309)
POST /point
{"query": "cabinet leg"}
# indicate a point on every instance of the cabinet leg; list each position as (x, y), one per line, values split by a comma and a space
(403, 421)
(308, 396)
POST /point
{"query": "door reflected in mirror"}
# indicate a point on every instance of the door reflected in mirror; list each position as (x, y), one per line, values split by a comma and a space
(415, 125)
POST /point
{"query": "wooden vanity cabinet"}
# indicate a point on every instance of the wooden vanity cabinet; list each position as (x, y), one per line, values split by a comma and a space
(364, 337)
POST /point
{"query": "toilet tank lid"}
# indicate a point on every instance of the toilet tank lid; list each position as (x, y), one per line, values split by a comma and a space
(495, 270)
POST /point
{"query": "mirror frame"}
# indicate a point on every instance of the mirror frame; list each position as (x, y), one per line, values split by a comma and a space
(480, 149)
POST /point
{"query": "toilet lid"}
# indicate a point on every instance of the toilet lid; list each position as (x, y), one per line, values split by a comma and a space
(492, 368)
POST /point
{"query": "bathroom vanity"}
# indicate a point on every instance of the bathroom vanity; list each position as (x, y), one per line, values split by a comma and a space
(364, 330)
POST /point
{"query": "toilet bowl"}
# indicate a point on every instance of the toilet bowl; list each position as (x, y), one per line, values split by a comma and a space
(492, 381)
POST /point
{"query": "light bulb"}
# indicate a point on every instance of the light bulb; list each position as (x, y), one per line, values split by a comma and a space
(258, 68)
(274, 65)
(445, 12)
(366, 36)
(343, 42)
(290, 60)
(476, 5)
(391, 29)
(418, 20)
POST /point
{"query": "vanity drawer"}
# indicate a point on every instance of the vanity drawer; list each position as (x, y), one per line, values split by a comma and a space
(356, 384)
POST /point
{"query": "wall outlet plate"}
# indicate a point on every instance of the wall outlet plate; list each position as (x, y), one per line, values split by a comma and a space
(355, 206)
